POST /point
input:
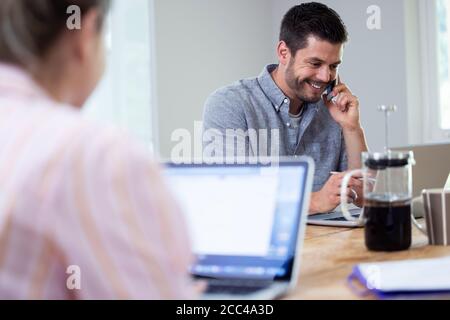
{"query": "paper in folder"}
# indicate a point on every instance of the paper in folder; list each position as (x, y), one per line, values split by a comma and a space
(406, 277)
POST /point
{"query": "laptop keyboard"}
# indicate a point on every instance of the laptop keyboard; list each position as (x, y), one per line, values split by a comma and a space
(338, 219)
(236, 286)
(343, 218)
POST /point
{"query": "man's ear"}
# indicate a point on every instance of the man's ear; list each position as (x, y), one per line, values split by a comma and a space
(283, 53)
(86, 38)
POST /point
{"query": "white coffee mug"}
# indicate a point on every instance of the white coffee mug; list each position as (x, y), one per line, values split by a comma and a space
(437, 216)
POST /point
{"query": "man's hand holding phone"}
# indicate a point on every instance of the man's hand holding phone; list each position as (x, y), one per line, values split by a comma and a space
(343, 106)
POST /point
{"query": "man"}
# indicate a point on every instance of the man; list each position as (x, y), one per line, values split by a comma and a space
(290, 101)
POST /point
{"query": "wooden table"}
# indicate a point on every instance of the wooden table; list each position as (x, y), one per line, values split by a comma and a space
(329, 255)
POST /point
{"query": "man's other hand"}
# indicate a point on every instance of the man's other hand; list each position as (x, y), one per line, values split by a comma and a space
(329, 197)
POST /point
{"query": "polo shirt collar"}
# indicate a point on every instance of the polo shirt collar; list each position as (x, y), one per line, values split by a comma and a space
(271, 90)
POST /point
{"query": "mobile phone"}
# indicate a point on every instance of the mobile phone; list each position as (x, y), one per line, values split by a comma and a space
(329, 90)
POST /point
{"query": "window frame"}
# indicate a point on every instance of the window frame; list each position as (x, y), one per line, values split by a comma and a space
(108, 108)
(431, 107)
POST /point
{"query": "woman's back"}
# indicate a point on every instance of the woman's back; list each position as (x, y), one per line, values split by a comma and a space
(83, 212)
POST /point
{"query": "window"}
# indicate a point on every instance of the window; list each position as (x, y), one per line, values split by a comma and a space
(125, 95)
(443, 15)
(434, 21)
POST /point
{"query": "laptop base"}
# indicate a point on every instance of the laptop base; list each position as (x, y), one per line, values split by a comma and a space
(336, 219)
(273, 291)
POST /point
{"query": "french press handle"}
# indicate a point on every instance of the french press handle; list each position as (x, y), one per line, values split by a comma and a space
(344, 204)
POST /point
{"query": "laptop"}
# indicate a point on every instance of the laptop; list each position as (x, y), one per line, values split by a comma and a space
(246, 223)
(432, 165)
(430, 171)
(336, 218)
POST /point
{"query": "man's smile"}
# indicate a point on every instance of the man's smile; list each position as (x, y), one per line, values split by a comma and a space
(316, 86)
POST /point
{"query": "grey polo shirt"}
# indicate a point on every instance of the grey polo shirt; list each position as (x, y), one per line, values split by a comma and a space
(256, 110)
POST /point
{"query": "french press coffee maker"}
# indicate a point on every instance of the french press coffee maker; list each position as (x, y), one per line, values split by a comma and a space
(387, 183)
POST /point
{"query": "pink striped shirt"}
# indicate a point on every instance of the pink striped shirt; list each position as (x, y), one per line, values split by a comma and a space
(84, 213)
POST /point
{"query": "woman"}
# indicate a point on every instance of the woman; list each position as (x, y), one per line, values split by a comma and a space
(83, 212)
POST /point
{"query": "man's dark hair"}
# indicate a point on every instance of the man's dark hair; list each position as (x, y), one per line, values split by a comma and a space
(311, 19)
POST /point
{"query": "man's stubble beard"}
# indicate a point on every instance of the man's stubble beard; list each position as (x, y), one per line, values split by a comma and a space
(295, 85)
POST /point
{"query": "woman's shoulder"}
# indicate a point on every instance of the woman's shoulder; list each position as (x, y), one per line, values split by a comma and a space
(89, 141)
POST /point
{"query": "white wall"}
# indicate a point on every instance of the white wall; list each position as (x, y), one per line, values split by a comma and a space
(204, 44)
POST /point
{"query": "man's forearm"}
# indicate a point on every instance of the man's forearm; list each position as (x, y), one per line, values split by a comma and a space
(355, 142)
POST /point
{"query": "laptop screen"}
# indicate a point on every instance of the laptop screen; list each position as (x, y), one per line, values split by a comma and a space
(243, 219)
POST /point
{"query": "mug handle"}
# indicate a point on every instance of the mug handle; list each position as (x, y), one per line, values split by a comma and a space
(418, 225)
(344, 204)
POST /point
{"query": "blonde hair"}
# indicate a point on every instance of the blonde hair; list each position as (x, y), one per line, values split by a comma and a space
(28, 28)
